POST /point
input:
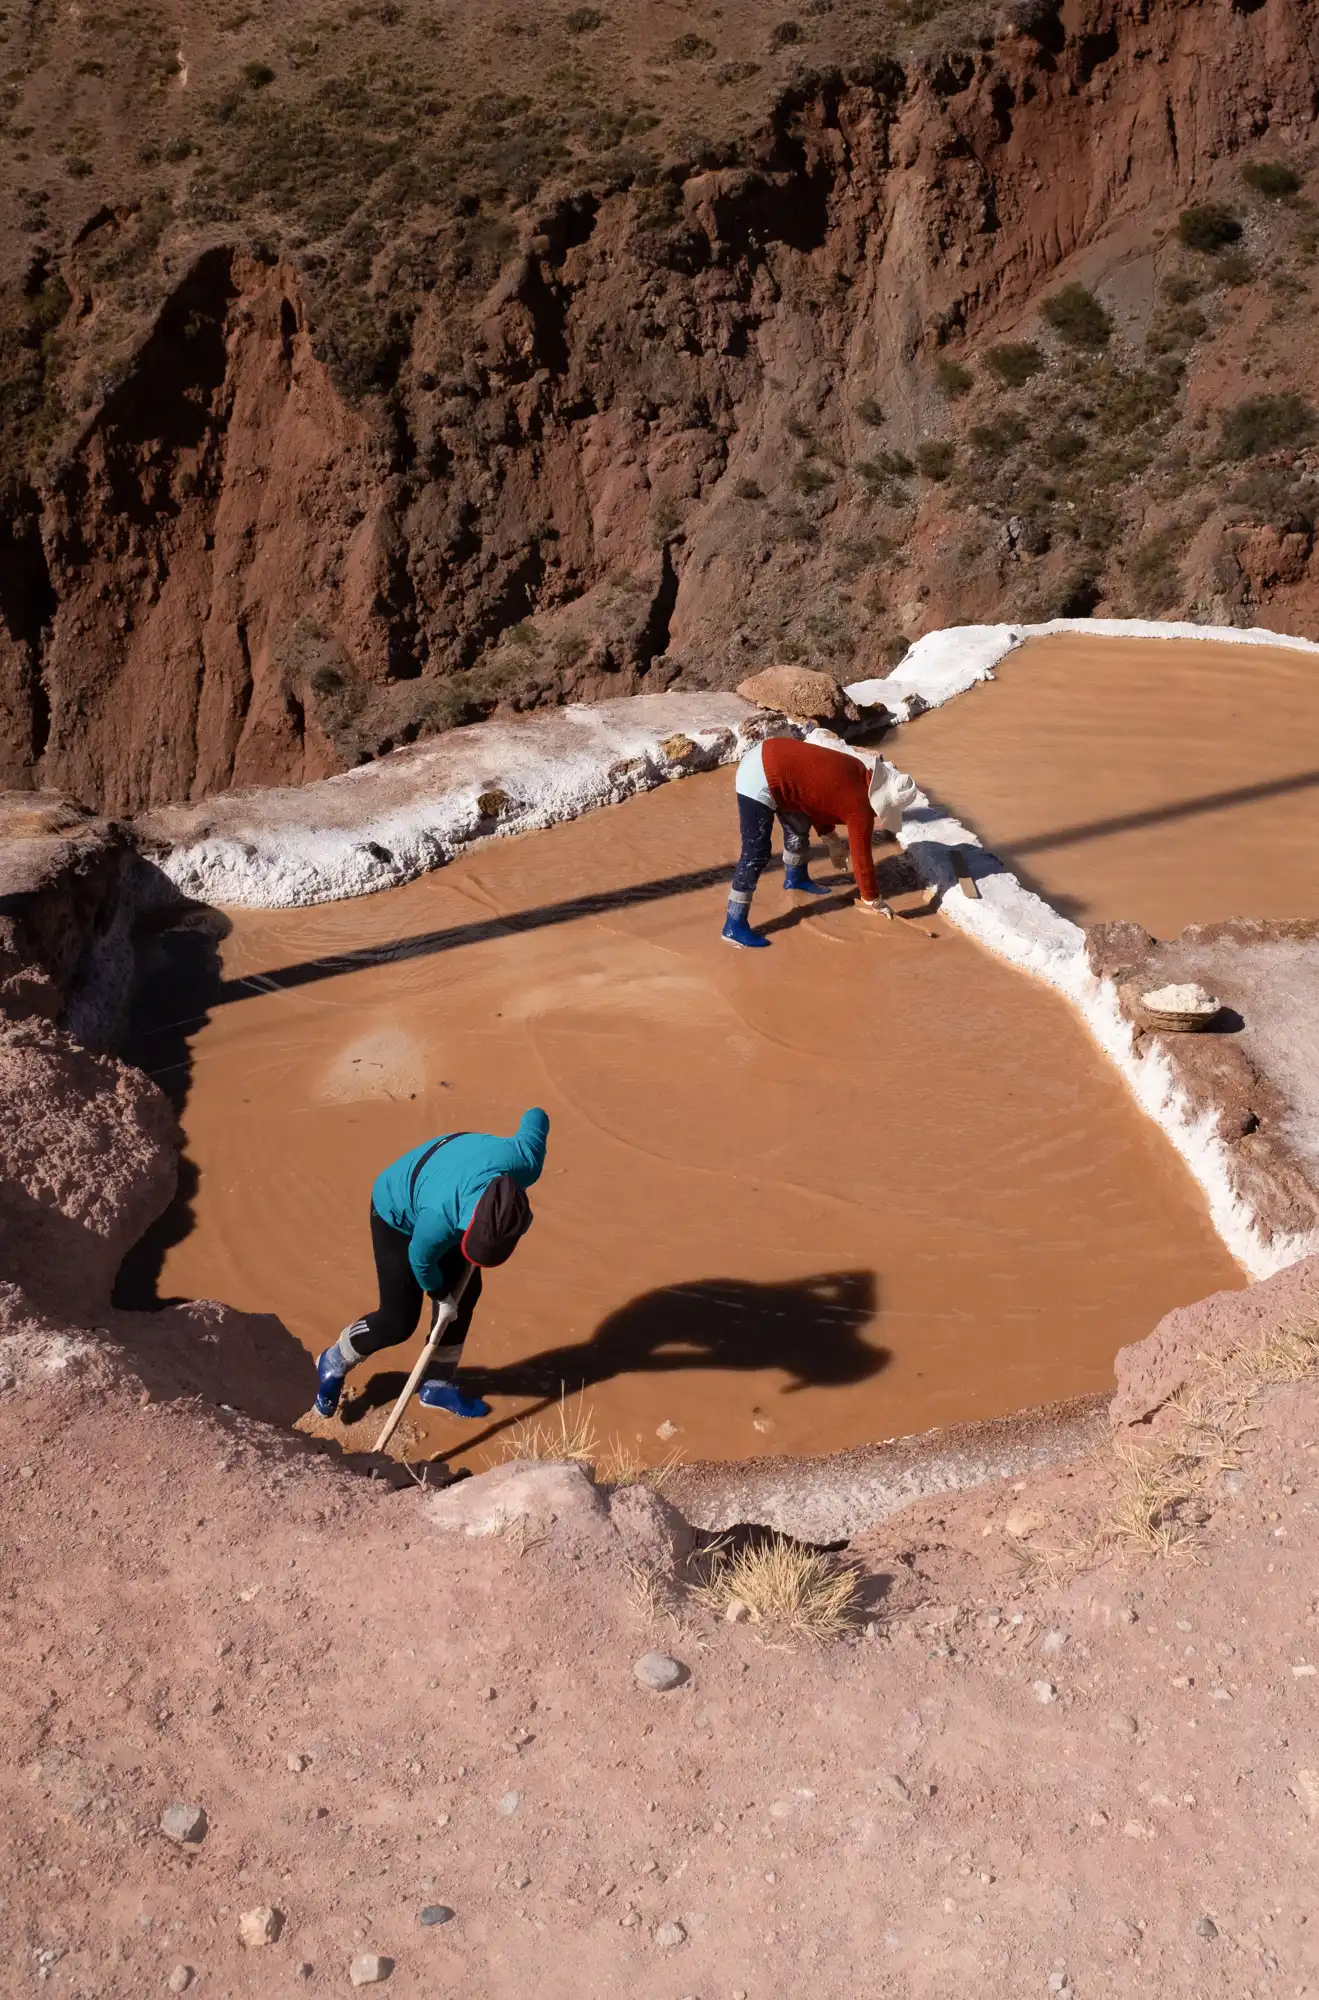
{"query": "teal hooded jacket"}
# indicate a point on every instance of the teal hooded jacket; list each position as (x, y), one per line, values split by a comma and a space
(434, 1213)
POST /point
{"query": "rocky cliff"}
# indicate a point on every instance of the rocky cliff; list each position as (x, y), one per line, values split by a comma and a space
(361, 398)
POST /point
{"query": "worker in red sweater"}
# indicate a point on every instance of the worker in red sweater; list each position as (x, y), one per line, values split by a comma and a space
(808, 787)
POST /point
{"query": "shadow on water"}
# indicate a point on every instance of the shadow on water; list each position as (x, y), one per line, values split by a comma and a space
(809, 1328)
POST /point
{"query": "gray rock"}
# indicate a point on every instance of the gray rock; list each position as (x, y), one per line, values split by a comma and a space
(1123, 1725)
(1206, 1928)
(1044, 1690)
(654, 1535)
(509, 1804)
(436, 1913)
(295, 1761)
(660, 1672)
(370, 1969)
(184, 1824)
(1053, 1642)
(259, 1926)
(521, 1880)
(180, 1979)
(543, 1493)
(736, 1612)
(669, 1936)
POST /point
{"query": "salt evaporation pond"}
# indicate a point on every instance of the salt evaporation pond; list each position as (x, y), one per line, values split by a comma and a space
(1170, 781)
(864, 1183)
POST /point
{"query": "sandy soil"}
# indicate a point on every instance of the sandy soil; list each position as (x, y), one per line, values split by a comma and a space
(1099, 1786)
(1163, 781)
(726, 1258)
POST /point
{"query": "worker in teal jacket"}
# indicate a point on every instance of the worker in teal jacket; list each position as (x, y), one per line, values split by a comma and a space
(439, 1216)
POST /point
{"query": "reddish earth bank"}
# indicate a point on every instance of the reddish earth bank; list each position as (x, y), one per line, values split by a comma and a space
(692, 366)
(1108, 1783)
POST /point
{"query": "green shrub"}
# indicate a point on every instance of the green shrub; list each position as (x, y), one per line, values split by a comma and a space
(1209, 228)
(1266, 423)
(1175, 333)
(688, 47)
(810, 478)
(1077, 317)
(797, 429)
(870, 412)
(952, 377)
(1153, 574)
(1013, 362)
(1181, 288)
(749, 489)
(1234, 270)
(895, 464)
(257, 75)
(1063, 447)
(735, 72)
(179, 149)
(934, 459)
(995, 440)
(77, 168)
(583, 20)
(785, 34)
(1273, 178)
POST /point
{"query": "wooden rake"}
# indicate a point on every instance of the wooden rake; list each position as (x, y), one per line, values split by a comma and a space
(424, 1360)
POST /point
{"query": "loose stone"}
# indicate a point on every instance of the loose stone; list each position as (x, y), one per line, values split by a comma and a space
(180, 1979)
(669, 1936)
(436, 1913)
(259, 1926)
(184, 1824)
(659, 1672)
(1206, 1928)
(370, 1969)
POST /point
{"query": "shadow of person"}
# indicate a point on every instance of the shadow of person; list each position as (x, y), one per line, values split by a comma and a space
(809, 1329)
(178, 973)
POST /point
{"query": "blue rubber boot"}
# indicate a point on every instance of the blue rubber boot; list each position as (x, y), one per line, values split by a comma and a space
(448, 1396)
(738, 931)
(798, 880)
(330, 1371)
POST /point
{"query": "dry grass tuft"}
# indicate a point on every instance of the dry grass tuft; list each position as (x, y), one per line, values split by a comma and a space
(620, 1464)
(568, 1434)
(784, 1587)
(1164, 1489)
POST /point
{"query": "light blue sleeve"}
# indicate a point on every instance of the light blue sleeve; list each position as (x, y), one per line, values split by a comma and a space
(430, 1241)
(532, 1137)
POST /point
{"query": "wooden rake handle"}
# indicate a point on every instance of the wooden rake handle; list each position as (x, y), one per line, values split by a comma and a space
(424, 1360)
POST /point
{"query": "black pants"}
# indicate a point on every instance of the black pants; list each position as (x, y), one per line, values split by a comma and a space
(395, 1318)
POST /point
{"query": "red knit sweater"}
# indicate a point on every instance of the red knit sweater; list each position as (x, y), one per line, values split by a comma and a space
(832, 789)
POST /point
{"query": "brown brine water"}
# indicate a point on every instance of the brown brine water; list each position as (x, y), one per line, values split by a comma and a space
(863, 1183)
(1171, 781)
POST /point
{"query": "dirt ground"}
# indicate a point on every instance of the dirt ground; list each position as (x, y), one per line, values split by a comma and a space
(1018, 1773)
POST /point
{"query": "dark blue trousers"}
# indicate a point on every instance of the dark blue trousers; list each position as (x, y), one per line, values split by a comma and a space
(757, 823)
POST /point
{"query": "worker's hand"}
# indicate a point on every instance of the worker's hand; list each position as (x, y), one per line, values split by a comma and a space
(446, 1312)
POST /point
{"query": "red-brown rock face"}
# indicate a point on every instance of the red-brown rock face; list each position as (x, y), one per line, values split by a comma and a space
(696, 439)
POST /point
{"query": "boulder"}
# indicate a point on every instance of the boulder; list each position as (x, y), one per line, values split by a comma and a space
(654, 1535)
(544, 1493)
(803, 693)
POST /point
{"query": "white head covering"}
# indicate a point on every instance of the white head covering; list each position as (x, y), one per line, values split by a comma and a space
(891, 793)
